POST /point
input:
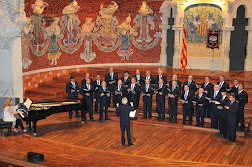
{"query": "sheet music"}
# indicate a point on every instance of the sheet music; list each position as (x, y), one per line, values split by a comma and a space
(28, 103)
(132, 114)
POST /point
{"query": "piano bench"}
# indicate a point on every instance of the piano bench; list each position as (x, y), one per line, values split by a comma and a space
(5, 125)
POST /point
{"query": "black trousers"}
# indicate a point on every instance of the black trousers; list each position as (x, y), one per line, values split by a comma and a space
(208, 110)
(112, 94)
(147, 106)
(19, 123)
(187, 112)
(214, 117)
(101, 111)
(127, 128)
(200, 116)
(173, 111)
(161, 108)
(137, 99)
(76, 111)
(231, 129)
(223, 122)
(240, 117)
(88, 110)
(97, 101)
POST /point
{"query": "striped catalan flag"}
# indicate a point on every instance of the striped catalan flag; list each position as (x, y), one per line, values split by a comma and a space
(183, 60)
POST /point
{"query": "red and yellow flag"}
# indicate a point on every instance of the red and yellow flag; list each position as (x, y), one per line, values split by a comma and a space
(183, 60)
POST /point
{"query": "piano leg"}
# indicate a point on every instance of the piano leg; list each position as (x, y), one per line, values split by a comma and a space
(34, 128)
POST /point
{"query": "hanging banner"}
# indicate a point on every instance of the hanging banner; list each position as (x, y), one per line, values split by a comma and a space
(213, 39)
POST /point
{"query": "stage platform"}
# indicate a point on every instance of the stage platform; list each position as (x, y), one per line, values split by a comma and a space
(67, 142)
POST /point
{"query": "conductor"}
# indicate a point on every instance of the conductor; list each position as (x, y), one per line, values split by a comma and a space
(124, 111)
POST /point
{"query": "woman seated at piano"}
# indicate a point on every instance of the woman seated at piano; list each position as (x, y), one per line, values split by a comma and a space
(12, 116)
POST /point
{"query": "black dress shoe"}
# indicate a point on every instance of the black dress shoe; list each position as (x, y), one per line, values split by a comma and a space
(190, 124)
(130, 144)
(184, 123)
(218, 134)
(197, 125)
(100, 120)
(150, 117)
(144, 117)
(70, 117)
(107, 119)
(92, 120)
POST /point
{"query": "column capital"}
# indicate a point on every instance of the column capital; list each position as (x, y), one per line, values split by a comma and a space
(177, 28)
(248, 28)
(164, 26)
(228, 28)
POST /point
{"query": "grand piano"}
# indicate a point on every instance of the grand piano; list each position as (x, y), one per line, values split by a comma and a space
(33, 112)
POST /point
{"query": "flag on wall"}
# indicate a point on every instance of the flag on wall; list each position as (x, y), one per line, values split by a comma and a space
(183, 60)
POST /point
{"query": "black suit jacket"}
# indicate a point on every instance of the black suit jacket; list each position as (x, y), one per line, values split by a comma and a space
(209, 88)
(225, 86)
(178, 83)
(234, 90)
(200, 101)
(190, 98)
(124, 111)
(163, 77)
(224, 102)
(232, 112)
(176, 93)
(150, 91)
(108, 79)
(96, 87)
(105, 98)
(152, 80)
(127, 82)
(242, 98)
(72, 95)
(141, 81)
(84, 90)
(193, 86)
(163, 90)
(83, 82)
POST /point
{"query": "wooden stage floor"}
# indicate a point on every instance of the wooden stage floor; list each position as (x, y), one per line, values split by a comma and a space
(66, 142)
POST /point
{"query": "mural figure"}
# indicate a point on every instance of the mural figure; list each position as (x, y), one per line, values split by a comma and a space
(125, 30)
(145, 13)
(69, 11)
(25, 44)
(53, 32)
(38, 9)
(86, 35)
(107, 23)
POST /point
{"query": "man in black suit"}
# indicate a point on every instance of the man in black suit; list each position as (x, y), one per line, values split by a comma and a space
(175, 78)
(97, 97)
(132, 90)
(223, 114)
(208, 90)
(87, 76)
(111, 79)
(161, 90)
(119, 92)
(215, 98)
(124, 111)
(139, 81)
(234, 89)
(72, 88)
(139, 78)
(222, 84)
(126, 79)
(149, 77)
(186, 98)
(232, 110)
(148, 92)
(241, 99)
(191, 84)
(88, 93)
(193, 87)
(173, 95)
(200, 107)
(104, 103)
(160, 76)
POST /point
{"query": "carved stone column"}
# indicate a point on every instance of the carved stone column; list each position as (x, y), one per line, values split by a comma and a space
(226, 37)
(164, 27)
(248, 60)
(177, 44)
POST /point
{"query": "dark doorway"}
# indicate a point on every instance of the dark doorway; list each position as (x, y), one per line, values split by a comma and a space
(239, 39)
(170, 41)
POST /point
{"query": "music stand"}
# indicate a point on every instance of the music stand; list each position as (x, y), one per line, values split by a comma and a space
(131, 124)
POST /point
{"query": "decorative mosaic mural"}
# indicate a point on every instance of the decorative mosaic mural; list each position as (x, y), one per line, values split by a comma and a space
(199, 18)
(63, 33)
